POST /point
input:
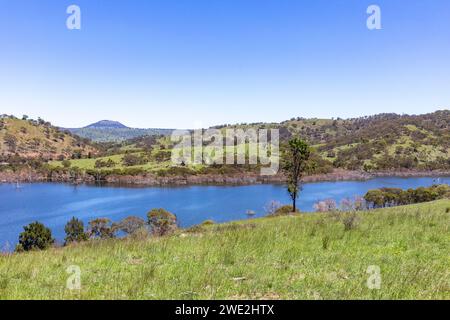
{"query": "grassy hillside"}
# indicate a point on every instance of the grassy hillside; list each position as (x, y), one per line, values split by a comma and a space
(39, 139)
(310, 256)
(376, 143)
(154, 158)
(380, 142)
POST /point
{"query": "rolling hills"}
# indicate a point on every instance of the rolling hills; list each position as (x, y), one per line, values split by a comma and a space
(379, 142)
(384, 143)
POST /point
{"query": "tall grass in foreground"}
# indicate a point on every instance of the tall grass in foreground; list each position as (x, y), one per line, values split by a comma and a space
(310, 256)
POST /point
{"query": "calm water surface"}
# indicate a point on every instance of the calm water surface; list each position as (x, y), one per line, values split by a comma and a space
(54, 204)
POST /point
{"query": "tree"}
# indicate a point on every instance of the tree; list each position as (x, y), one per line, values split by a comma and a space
(102, 164)
(101, 228)
(66, 163)
(131, 225)
(75, 231)
(375, 198)
(35, 237)
(295, 159)
(130, 159)
(161, 222)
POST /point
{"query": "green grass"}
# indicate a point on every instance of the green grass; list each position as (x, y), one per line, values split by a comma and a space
(309, 256)
(153, 166)
(90, 163)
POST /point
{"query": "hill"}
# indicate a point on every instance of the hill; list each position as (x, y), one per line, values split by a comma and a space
(107, 124)
(113, 131)
(309, 256)
(37, 139)
(384, 143)
(379, 142)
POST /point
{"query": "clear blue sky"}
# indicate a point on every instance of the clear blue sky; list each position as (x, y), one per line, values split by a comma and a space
(182, 63)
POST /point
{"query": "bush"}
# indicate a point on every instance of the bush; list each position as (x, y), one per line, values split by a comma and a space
(163, 155)
(130, 225)
(161, 222)
(326, 205)
(272, 206)
(35, 237)
(207, 223)
(325, 242)
(101, 228)
(66, 163)
(350, 221)
(75, 231)
(104, 164)
(284, 211)
(130, 159)
(200, 227)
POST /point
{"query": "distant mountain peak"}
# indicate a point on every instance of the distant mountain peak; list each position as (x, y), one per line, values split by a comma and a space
(107, 124)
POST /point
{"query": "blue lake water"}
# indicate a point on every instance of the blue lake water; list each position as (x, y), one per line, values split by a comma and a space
(54, 204)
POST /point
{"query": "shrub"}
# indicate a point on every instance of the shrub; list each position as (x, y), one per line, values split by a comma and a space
(66, 163)
(208, 223)
(131, 225)
(356, 204)
(101, 228)
(350, 221)
(35, 237)
(176, 171)
(104, 164)
(161, 222)
(272, 206)
(130, 159)
(359, 204)
(325, 242)
(326, 205)
(163, 155)
(75, 231)
(284, 211)
(200, 227)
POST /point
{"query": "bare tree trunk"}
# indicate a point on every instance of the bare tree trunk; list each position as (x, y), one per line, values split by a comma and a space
(294, 205)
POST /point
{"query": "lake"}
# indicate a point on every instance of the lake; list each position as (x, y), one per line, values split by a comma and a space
(54, 204)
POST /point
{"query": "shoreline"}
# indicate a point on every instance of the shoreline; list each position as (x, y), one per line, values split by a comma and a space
(213, 179)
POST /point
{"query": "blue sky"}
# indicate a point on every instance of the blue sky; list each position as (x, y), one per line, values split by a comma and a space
(186, 63)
